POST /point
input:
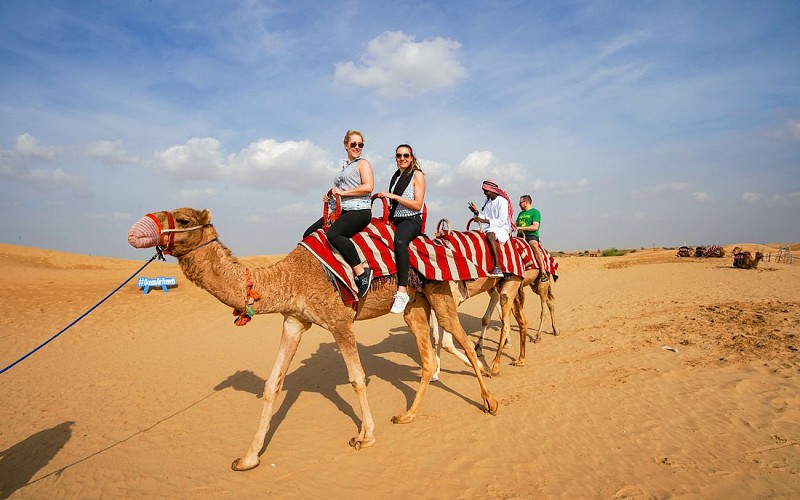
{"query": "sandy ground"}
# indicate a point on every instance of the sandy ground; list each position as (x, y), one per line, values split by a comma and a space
(154, 395)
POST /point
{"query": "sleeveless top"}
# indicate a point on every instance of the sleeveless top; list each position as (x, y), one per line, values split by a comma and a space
(402, 210)
(349, 178)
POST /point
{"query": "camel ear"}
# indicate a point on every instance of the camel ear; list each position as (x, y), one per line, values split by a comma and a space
(205, 217)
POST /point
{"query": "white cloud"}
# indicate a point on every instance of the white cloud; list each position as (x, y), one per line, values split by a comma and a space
(437, 174)
(579, 186)
(27, 146)
(17, 165)
(199, 157)
(396, 64)
(292, 165)
(483, 165)
(55, 179)
(641, 216)
(196, 195)
(108, 152)
(776, 199)
(701, 196)
(752, 198)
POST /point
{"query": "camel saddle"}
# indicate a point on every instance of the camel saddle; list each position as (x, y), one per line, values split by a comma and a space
(457, 256)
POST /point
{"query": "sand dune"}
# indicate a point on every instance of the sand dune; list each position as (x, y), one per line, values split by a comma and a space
(154, 395)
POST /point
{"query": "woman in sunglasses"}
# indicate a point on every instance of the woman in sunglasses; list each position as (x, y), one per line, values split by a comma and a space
(354, 185)
(406, 197)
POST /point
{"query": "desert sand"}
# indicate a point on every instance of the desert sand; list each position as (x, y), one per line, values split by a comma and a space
(153, 396)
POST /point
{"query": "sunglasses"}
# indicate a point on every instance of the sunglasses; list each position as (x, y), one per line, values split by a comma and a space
(402, 155)
(359, 145)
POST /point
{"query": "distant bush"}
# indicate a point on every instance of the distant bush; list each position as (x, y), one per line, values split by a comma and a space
(613, 252)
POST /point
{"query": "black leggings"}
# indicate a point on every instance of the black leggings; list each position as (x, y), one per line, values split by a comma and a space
(339, 233)
(405, 230)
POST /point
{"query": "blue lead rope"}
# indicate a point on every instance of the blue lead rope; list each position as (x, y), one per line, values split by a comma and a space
(157, 255)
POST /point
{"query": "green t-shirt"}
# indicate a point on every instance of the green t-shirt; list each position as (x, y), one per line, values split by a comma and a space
(528, 217)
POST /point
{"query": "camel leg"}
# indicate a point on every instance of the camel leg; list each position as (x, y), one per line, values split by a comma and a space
(438, 340)
(551, 305)
(346, 341)
(293, 330)
(416, 317)
(494, 301)
(522, 321)
(542, 290)
(449, 346)
(508, 291)
(446, 309)
(446, 342)
(546, 297)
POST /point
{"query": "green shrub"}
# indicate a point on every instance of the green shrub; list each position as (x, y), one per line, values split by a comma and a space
(613, 252)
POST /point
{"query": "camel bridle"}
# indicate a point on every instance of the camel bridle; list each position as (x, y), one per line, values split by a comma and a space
(166, 236)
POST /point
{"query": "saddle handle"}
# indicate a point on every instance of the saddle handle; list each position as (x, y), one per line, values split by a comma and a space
(328, 219)
(470, 221)
(385, 217)
(443, 228)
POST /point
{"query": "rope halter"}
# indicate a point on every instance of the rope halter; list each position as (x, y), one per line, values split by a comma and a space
(149, 232)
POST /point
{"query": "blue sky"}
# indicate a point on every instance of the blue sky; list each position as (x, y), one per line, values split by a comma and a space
(631, 123)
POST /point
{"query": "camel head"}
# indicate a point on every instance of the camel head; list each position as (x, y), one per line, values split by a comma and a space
(177, 232)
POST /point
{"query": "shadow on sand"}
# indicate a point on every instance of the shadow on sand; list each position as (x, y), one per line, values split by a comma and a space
(19, 463)
(324, 371)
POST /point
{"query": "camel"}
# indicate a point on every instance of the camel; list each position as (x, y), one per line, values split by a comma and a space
(509, 297)
(504, 291)
(744, 259)
(298, 288)
(545, 292)
(443, 340)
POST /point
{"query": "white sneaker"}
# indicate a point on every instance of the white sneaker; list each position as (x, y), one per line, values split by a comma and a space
(400, 301)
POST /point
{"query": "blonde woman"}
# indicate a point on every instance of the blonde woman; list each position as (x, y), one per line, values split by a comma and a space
(354, 184)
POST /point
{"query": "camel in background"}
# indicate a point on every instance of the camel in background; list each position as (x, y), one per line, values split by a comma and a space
(509, 298)
(743, 259)
(298, 288)
(443, 340)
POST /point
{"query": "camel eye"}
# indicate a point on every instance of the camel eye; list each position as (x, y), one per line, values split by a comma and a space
(182, 222)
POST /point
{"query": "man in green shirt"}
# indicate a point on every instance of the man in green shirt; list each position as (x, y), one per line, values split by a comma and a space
(528, 222)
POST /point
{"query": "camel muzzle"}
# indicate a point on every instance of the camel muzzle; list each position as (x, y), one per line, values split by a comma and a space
(144, 234)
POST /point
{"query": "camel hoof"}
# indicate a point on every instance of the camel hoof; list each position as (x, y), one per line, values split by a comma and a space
(355, 443)
(490, 406)
(235, 465)
(518, 363)
(405, 418)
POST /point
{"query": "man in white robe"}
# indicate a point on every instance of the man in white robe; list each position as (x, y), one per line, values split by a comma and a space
(496, 219)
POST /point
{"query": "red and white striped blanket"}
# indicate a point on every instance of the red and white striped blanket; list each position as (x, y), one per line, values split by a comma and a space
(455, 256)
(515, 256)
